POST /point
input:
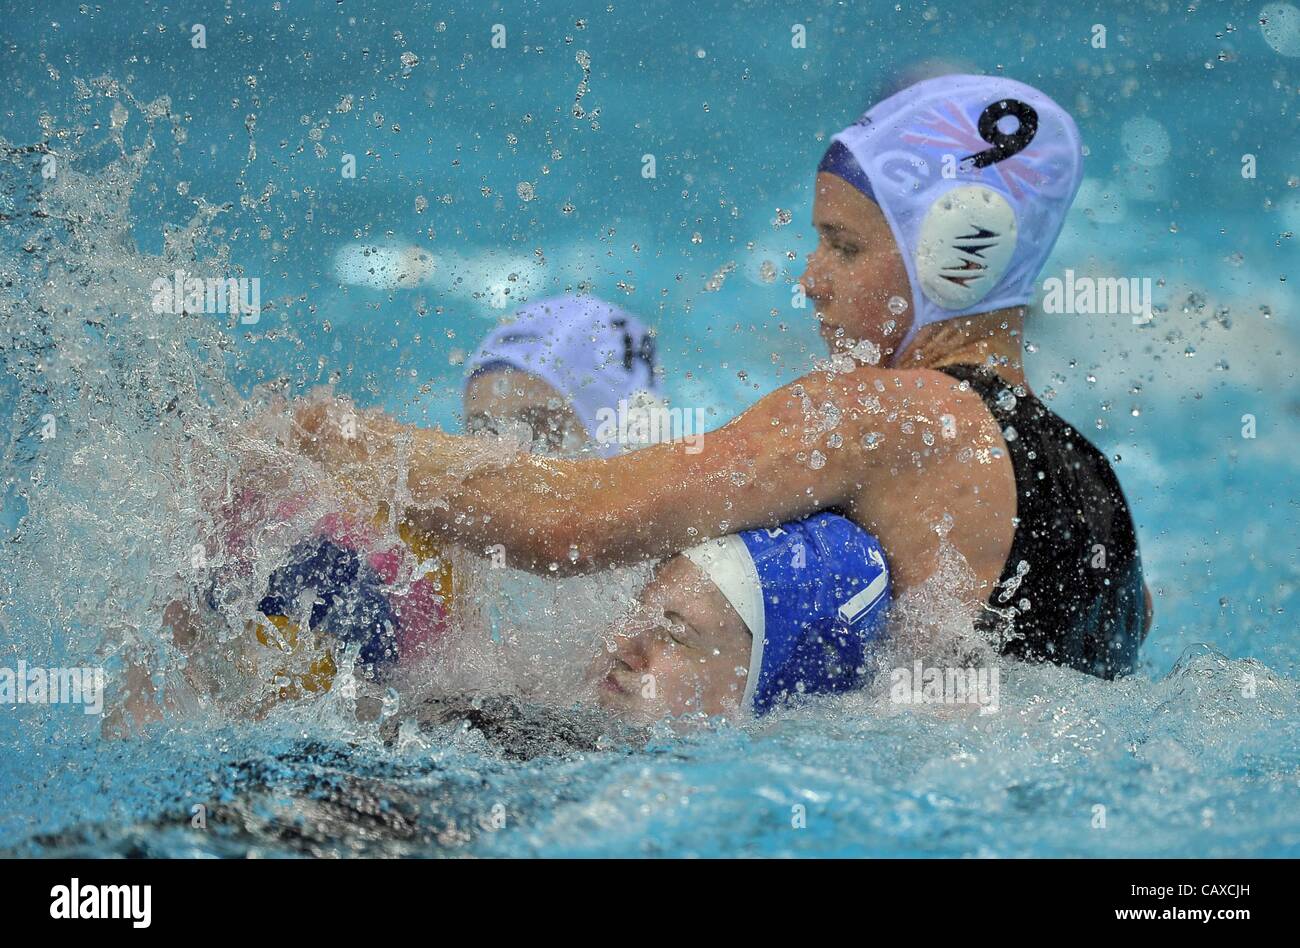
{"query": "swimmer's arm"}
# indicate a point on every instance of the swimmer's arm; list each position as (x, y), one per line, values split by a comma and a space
(136, 704)
(753, 472)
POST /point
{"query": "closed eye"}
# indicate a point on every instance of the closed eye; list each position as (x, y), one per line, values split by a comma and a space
(837, 241)
(680, 631)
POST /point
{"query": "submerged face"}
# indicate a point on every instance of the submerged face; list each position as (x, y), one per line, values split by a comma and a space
(506, 401)
(684, 649)
(855, 270)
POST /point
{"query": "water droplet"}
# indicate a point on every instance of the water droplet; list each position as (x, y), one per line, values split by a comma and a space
(872, 440)
(867, 352)
(897, 305)
(817, 461)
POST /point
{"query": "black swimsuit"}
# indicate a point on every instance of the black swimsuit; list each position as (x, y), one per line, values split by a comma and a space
(1071, 591)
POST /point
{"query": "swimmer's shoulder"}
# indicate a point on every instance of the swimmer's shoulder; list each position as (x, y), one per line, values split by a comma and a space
(886, 410)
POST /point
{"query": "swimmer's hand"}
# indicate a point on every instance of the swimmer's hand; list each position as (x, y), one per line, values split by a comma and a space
(354, 446)
(367, 451)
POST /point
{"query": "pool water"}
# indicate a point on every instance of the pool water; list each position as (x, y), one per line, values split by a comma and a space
(485, 177)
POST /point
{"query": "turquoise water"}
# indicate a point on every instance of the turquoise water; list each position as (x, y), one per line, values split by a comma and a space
(473, 157)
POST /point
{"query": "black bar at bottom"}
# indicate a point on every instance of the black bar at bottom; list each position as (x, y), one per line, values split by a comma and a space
(315, 899)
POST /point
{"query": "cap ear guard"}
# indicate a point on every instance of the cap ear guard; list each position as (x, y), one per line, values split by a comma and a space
(965, 245)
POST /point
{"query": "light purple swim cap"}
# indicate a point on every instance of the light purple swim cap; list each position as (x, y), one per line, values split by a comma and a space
(975, 175)
(590, 351)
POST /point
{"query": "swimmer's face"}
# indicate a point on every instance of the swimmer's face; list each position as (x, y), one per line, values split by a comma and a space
(507, 401)
(684, 649)
(855, 269)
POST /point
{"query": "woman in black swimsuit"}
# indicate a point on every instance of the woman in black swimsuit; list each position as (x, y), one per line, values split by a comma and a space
(1079, 599)
(921, 427)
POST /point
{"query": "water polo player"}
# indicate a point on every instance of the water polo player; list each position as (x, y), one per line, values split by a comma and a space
(935, 212)
(804, 601)
(544, 377)
(731, 625)
(736, 625)
(548, 373)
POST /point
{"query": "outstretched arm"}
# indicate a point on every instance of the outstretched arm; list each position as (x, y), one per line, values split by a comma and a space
(571, 516)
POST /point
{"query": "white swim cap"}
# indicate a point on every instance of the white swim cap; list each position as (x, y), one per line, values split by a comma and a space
(975, 175)
(598, 356)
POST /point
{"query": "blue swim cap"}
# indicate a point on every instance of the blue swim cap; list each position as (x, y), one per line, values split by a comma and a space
(813, 594)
